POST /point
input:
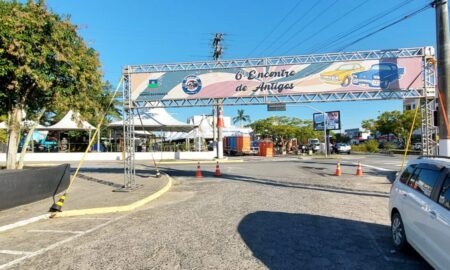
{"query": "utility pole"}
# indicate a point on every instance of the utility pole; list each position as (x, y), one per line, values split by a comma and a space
(443, 71)
(217, 54)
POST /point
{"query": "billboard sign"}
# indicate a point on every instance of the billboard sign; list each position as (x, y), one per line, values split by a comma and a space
(344, 76)
(333, 120)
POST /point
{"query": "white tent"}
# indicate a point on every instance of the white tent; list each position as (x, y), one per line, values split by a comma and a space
(205, 129)
(156, 119)
(71, 121)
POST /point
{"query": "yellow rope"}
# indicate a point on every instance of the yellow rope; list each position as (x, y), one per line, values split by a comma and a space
(93, 137)
(409, 138)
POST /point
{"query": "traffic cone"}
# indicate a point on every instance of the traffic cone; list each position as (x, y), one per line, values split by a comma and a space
(217, 170)
(198, 174)
(359, 171)
(338, 169)
(56, 207)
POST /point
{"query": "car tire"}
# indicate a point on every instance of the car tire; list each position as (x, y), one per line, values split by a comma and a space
(349, 152)
(385, 84)
(398, 232)
(347, 81)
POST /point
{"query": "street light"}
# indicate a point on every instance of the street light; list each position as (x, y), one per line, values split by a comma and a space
(324, 123)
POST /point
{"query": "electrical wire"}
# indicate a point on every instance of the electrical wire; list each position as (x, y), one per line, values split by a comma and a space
(323, 12)
(325, 27)
(364, 24)
(300, 18)
(276, 27)
(429, 5)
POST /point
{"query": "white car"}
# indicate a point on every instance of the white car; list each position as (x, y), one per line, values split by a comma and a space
(342, 148)
(419, 206)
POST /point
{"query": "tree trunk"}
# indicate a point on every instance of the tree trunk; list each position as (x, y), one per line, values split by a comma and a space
(14, 121)
(28, 139)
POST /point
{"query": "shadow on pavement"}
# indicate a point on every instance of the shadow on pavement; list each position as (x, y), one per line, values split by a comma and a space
(303, 241)
(262, 181)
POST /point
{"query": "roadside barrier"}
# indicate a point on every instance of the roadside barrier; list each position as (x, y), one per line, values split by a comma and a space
(338, 169)
(217, 170)
(198, 174)
(359, 171)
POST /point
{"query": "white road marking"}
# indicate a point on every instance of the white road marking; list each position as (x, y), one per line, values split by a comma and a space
(14, 252)
(57, 244)
(373, 167)
(54, 231)
(23, 222)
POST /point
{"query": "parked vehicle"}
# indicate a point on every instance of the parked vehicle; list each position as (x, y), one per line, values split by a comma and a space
(379, 75)
(342, 75)
(340, 148)
(418, 146)
(237, 145)
(314, 145)
(419, 206)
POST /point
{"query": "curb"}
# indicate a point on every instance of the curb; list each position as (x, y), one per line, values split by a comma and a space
(91, 211)
(115, 209)
(201, 162)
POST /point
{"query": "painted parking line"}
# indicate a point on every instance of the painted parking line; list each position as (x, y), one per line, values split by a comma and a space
(373, 167)
(23, 222)
(55, 231)
(14, 252)
(57, 244)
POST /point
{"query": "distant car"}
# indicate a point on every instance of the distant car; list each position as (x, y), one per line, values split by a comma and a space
(342, 75)
(379, 75)
(340, 148)
(419, 207)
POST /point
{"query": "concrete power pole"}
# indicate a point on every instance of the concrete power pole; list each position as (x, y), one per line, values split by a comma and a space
(443, 71)
(217, 54)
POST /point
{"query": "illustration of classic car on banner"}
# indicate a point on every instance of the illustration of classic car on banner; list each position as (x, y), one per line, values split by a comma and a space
(385, 74)
(378, 76)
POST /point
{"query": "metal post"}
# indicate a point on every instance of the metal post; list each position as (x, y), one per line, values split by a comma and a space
(443, 71)
(220, 130)
(325, 133)
(214, 130)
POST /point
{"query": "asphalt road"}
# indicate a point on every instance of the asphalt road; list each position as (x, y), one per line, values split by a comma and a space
(283, 213)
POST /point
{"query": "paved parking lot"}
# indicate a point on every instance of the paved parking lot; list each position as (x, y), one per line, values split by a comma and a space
(284, 213)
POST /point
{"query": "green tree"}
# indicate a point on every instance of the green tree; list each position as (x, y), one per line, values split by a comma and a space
(369, 125)
(44, 64)
(241, 117)
(388, 122)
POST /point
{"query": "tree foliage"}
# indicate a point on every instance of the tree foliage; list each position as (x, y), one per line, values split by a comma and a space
(44, 63)
(282, 128)
(241, 117)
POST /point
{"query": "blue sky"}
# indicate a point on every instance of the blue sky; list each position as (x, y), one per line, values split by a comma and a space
(151, 32)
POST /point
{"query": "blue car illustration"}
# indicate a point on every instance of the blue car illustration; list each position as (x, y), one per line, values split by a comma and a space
(379, 75)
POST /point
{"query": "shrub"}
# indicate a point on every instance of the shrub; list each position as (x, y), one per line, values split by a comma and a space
(359, 147)
(371, 146)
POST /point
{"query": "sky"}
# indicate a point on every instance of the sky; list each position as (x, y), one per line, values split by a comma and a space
(155, 32)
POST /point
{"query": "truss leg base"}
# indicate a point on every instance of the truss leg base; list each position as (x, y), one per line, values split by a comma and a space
(128, 188)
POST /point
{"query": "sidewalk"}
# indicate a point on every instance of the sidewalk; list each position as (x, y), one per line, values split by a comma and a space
(93, 188)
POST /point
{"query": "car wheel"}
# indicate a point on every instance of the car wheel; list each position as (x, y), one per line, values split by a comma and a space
(349, 153)
(398, 232)
(347, 81)
(385, 84)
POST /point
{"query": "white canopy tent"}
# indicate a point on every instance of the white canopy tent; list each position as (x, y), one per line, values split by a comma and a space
(71, 121)
(156, 119)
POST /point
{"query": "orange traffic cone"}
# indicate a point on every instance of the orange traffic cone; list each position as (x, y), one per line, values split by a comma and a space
(217, 170)
(198, 174)
(338, 169)
(359, 171)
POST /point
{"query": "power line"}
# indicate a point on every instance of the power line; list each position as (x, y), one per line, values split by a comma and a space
(429, 5)
(326, 26)
(290, 27)
(329, 42)
(276, 27)
(304, 27)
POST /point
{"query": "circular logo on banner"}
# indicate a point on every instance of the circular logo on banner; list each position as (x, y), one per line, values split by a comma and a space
(191, 85)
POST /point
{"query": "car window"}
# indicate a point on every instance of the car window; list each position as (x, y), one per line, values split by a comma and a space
(444, 195)
(423, 181)
(407, 174)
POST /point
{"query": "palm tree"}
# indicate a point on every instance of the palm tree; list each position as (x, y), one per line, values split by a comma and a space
(241, 117)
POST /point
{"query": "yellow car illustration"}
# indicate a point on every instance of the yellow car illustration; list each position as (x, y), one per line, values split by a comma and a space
(342, 75)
